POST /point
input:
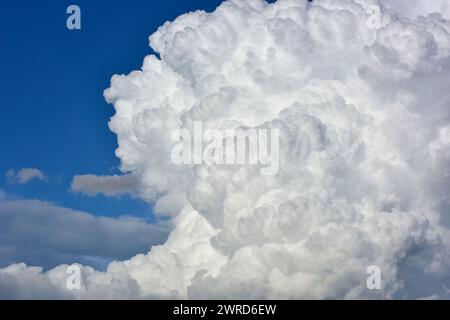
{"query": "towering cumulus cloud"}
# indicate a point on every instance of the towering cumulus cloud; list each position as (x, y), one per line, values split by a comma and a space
(363, 112)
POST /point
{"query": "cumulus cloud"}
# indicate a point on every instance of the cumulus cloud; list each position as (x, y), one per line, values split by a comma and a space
(415, 8)
(25, 175)
(363, 115)
(41, 233)
(115, 185)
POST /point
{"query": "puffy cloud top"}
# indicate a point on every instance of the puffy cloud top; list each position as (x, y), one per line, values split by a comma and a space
(363, 115)
(415, 8)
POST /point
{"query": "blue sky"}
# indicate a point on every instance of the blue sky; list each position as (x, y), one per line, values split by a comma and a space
(54, 117)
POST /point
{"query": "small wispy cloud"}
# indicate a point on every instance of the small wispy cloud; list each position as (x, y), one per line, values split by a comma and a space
(25, 175)
(111, 186)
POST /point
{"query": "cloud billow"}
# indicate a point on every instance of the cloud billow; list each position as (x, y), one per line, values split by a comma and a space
(363, 176)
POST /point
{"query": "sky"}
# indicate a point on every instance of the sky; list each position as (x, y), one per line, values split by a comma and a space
(57, 118)
(54, 115)
(67, 197)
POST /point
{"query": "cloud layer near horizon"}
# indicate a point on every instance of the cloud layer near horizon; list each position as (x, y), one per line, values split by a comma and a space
(364, 157)
(45, 234)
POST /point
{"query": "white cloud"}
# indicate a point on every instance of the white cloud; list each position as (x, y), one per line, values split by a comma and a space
(415, 8)
(364, 156)
(111, 186)
(41, 233)
(25, 175)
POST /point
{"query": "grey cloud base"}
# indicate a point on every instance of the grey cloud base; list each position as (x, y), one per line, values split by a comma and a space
(364, 180)
(111, 186)
(41, 233)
